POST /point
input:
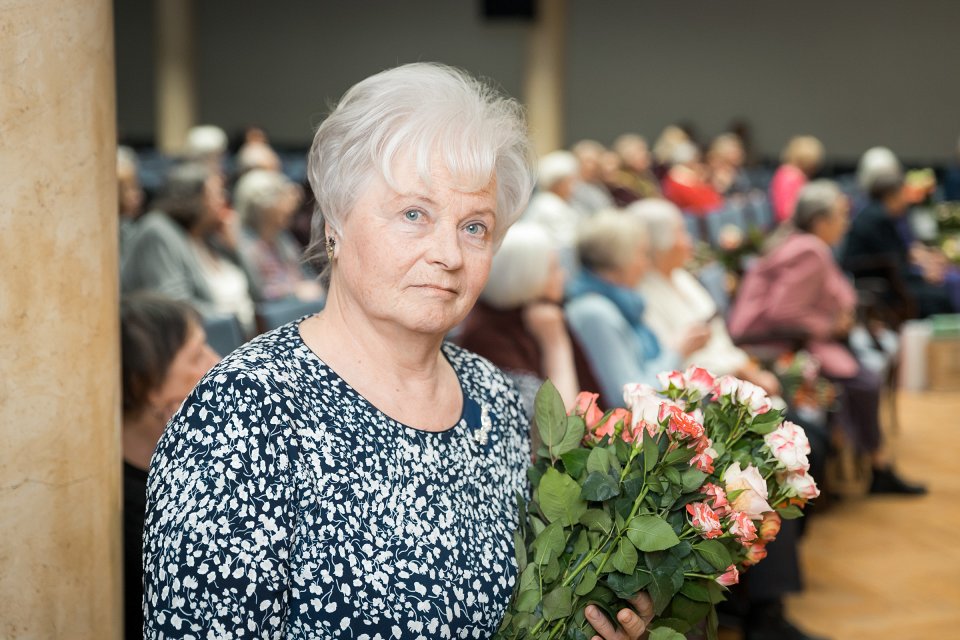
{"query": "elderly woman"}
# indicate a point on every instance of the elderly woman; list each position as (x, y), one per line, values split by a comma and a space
(187, 248)
(676, 301)
(350, 474)
(266, 201)
(607, 313)
(799, 285)
(519, 325)
(801, 159)
(164, 354)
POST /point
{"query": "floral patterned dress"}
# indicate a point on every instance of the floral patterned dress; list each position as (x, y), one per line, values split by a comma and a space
(282, 504)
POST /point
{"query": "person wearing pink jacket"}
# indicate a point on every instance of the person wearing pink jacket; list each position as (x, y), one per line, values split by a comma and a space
(799, 286)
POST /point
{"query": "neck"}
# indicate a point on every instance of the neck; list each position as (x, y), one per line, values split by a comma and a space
(352, 341)
(140, 435)
(268, 232)
(663, 266)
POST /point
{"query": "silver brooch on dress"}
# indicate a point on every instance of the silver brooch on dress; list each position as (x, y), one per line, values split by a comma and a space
(482, 435)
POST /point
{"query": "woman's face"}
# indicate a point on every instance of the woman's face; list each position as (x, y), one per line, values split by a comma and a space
(682, 250)
(418, 257)
(633, 271)
(287, 204)
(834, 226)
(191, 362)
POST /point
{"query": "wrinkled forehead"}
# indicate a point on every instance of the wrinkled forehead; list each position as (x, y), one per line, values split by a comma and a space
(434, 171)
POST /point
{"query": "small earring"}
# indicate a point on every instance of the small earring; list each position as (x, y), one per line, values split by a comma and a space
(331, 243)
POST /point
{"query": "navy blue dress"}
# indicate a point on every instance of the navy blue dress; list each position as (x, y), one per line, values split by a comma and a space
(282, 504)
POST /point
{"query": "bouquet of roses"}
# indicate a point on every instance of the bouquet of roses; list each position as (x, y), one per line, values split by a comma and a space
(675, 496)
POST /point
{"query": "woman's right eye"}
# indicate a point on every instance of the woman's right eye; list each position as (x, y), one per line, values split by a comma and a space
(412, 215)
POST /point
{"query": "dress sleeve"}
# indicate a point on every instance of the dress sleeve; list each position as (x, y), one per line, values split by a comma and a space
(607, 339)
(220, 515)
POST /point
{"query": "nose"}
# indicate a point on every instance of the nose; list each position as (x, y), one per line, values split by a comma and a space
(445, 249)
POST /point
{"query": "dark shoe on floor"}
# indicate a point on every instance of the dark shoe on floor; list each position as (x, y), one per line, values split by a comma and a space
(886, 481)
(766, 622)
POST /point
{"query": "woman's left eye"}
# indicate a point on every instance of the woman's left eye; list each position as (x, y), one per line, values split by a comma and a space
(476, 229)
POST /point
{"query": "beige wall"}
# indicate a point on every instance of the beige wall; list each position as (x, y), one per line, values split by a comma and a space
(59, 435)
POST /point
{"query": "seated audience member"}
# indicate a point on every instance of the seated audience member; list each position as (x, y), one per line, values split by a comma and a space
(130, 195)
(880, 234)
(187, 248)
(206, 143)
(725, 159)
(257, 155)
(266, 201)
(676, 301)
(590, 194)
(518, 323)
(606, 312)
(667, 141)
(801, 159)
(635, 154)
(164, 354)
(799, 285)
(685, 184)
(616, 179)
(557, 176)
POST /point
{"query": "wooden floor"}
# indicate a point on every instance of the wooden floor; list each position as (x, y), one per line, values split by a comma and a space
(890, 567)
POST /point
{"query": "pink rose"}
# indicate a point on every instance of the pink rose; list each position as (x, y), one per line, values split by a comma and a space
(644, 405)
(742, 527)
(621, 415)
(729, 578)
(706, 454)
(770, 526)
(726, 387)
(753, 497)
(586, 407)
(802, 485)
(754, 398)
(699, 380)
(673, 379)
(704, 520)
(756, 553)
(789, 445)
(684, 425)
(718, 498)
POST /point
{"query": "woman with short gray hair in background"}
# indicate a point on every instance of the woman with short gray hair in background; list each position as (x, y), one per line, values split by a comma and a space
(351, 474)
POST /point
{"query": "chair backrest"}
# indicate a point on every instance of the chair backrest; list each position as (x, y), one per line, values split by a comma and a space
(271, 315)
(223, 333)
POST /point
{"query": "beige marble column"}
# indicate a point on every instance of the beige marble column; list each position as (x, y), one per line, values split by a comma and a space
(175, 76)
(60, 496)
(543, 78)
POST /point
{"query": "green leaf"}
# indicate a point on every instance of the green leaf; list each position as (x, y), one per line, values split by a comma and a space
(692, 479)
(599, 487)
(551, 416)
(666, 633)
(651, 533)
(683, 454)
(627, 586)
(549, 544)
(714, 553)
(520, 548)
(528, 600)
(766, 422)
(558, 604)
(689, 610)
(673, 475)
(624, 559)
(623, 450)
(598, 460)
(559, 498)
(596, 520)
(572, 436)
(582, 545)
(790, 512)
(712, 624)
(651, 452)
(573, 633)
(696, 590)
(550, 571)
(575, 461)
(588, 581)
(662, 588)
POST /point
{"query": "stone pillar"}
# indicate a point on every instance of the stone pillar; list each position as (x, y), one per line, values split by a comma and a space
(543, 79)
(60, 495)
(175, 77)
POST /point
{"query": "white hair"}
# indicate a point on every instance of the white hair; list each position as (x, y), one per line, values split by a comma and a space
(661, 218)
(258, 191)
(556, 166)
(521, 267)
(816, 200)
(206, 140)
(257, 155)
(875, 163)
(424, 113)
(610, 240)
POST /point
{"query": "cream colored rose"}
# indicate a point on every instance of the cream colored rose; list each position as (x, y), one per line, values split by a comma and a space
(753, 497)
